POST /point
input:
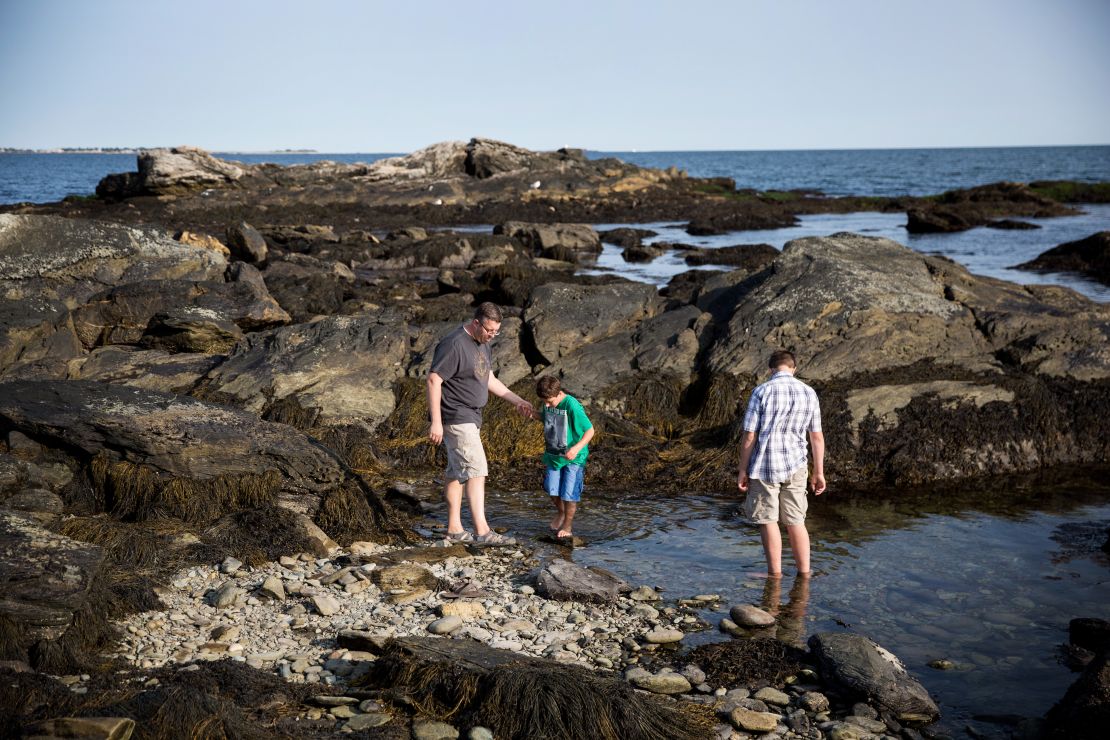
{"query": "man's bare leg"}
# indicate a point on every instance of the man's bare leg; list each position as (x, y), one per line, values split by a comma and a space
(453, 493)
(569, 508)
(799, 545)
(557, 522)
(772, 548)
(476, 497)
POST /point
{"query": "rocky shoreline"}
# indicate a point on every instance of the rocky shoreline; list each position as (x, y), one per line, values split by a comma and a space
(214, 361)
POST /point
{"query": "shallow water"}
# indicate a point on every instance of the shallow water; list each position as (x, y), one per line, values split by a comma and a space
(983, 251)
(989, 584)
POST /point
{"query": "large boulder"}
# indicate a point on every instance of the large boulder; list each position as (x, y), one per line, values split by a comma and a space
(69, 260)
(846, 304)
(122, 315)
(183, 169)
(152, 369)
(1089, 257)
(563, 317)
(554, 240)
(151, 439)
(340, 370)
(863, 669)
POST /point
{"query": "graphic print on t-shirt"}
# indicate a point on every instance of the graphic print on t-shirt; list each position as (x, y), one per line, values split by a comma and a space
(555, 430)
(481, 365)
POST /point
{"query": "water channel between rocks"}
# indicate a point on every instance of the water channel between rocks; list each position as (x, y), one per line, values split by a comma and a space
(988, 582)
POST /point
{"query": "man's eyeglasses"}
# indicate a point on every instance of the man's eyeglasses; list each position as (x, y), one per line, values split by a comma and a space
(491, 333)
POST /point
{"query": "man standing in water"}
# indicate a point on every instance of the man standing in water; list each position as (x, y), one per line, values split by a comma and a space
(773, 459)
(459, 385)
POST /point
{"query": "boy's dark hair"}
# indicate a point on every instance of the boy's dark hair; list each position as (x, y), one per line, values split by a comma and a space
(488, 312)
(782, 357)
(548, 386)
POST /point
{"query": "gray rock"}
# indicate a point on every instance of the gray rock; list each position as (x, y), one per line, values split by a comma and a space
(227, 595)
(562, 580)
(814, 702)
(663, 683)
(746, 719)
(149, 369)
(644, 593)
(230, 565)
(480, 733)
(663, 637)
(368, 721)
(325, 605)
(445, 625)
(273, 588)
(424, 730)
(747, 615)
(860, 667)
(771, 695)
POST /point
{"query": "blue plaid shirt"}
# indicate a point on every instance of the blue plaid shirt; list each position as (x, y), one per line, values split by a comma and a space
(781, 412)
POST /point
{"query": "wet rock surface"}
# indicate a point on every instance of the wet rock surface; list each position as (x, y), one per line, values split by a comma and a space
(1089, 257)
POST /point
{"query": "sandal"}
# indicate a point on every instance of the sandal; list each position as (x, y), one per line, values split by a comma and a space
(462, 536)
(492, 538)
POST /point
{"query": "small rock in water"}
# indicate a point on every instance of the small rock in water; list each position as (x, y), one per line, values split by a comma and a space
(645, 593)
(747, 615)
(942, 664)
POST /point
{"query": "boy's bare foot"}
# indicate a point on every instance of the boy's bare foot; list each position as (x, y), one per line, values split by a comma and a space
(764, 574)
(564, 533)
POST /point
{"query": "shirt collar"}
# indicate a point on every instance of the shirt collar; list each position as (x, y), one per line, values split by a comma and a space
(782, 372)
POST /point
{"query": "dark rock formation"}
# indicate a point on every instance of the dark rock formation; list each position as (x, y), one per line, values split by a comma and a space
(626, 237)
(568, 242)
(1089, 257)
(1008, 224)
(863, 669)
(959, 210)
(748, 256)
(1084, 712)
(245, 243)
(150, 369)
(170, 172)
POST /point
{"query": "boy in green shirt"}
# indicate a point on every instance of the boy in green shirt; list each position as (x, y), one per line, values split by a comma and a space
(567, 432)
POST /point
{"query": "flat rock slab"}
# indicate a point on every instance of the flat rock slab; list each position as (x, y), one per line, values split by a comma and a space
(862, 668)
(177, 436)
(44, 577)
(562, 580)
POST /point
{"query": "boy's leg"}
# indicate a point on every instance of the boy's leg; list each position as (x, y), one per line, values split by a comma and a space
(569, 508)
(551, 478)
(570, 491)
(772, 548)
(799, 545)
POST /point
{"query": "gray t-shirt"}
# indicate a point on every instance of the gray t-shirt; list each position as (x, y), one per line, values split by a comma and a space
(464, 366)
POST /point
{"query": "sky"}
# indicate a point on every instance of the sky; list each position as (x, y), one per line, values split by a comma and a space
(337, 76)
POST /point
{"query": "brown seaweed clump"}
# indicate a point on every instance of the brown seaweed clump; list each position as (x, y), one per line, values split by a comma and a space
(759, 660)
(527, 697)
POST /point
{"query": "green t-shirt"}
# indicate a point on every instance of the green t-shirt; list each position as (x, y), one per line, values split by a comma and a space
(563, 426)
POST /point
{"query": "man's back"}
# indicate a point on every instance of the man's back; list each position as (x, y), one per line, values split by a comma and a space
(781, 411)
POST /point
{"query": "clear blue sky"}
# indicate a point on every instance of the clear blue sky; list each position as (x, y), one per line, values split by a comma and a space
(395, 76)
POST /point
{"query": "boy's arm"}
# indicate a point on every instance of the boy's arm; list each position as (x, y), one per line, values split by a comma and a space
(573, 451)
(499, 389)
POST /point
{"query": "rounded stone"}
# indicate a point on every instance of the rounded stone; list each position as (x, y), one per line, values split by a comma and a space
(444, 626)
(747, 615)
(663, 637)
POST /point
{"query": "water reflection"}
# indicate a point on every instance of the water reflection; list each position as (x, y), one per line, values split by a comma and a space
(987, 578)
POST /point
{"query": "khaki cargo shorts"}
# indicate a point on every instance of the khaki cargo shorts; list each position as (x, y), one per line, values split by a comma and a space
(784, 502)
(466, 458)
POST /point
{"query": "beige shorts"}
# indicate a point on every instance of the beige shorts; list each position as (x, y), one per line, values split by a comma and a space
(466, 458)
(784, 502)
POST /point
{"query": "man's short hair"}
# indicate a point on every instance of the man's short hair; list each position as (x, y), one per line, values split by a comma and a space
(548, 386)
(782, 357)
(488, 312)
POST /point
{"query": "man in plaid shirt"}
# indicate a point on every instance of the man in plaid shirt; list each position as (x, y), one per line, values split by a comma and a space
(773, 459)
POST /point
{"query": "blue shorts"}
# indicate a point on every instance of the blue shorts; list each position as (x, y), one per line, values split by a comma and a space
(566, 482)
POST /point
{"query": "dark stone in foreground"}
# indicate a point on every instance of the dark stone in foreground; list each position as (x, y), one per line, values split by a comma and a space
(1090, 633)
(861, 668)
(1090, 257)
(747, 256)
(1084, 712)
(562, 580)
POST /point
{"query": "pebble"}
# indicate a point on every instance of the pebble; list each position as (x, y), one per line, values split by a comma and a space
(771, 695)
(663, 637)
(445, 625)
(645, 593)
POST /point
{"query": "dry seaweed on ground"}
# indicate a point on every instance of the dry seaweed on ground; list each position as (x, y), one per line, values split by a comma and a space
(520, 697)
(352, 512)
(737, 663)
(257, 536)
(221, 699)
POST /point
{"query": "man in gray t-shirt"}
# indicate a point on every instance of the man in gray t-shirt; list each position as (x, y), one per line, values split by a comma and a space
(459, 383)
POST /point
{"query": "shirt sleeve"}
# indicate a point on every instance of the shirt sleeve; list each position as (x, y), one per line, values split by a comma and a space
(445, 361)
(754, 415)
(580, 420)
(815, 422)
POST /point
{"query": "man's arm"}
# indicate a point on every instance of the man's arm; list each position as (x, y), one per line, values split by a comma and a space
(573, 450)
(499, 389)
(435, 393)
(747, 444)
(817, 441)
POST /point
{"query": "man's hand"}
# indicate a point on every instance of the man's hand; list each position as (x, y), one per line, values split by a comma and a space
(742, 482)
(526, 409)
(435, 434)
(818, 482)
